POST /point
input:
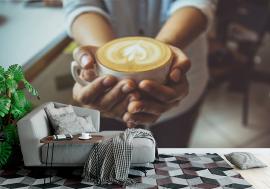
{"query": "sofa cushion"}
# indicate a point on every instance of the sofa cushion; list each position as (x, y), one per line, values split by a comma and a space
(143, 152)
(64, 120)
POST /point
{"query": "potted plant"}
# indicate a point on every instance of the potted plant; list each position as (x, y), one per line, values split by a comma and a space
(13, 106)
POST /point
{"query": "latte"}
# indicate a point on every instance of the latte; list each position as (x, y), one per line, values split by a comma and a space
(136, 58)
(134, 54)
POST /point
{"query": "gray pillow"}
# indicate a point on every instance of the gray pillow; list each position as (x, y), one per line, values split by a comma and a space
(244, 160)
(64, 120)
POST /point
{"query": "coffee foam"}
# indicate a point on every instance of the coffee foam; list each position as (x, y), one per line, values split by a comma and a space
(134, 54)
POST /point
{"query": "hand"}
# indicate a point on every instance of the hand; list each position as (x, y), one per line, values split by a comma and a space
(105, 93)
(159, 98)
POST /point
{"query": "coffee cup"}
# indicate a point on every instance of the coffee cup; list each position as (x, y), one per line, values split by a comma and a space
(135, 58)
(85, 135)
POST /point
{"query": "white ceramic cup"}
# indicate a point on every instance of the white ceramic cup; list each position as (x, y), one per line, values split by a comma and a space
(85, 135)
(158, 74)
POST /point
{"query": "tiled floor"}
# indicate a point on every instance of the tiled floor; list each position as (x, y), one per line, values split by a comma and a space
(219, 123)
(185, 171)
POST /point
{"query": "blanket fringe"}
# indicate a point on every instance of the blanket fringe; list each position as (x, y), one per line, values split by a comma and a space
(126, 182)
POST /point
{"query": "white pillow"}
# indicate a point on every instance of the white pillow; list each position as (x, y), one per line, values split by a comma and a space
(64, 120)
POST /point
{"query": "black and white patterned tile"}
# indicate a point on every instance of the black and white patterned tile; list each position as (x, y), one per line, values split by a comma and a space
(206, 171)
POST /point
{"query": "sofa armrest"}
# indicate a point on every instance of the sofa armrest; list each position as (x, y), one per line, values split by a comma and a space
(33, 127)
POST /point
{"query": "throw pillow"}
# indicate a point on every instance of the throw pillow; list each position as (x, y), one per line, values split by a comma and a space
(244, 160)
(64, 120)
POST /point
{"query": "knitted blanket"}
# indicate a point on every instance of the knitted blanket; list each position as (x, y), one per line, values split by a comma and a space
(110, 160)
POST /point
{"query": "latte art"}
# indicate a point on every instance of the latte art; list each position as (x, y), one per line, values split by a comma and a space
(133, 54)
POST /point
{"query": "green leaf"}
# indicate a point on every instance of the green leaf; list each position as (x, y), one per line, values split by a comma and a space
(28, 106)
(4, 105)
(2, 80)
(18, 112)
(2, 71)
(18, 98)
(19, 104)
(30, 88)
(1, 123)
(16, 72)
(5, 153)
(2, 84)
(11, 134)
(11, 85)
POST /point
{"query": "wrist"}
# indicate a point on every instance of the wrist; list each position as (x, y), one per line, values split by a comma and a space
(101, 42)
(163, 39)
(168, 40)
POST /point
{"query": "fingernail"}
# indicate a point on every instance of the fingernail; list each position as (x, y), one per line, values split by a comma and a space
(146, 85)
(86, 59)
(176, 75)
(108, 81)
(127, 88)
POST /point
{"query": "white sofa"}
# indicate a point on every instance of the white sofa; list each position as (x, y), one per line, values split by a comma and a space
(35, 126)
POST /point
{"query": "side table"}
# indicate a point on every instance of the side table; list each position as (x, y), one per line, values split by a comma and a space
(96, 139)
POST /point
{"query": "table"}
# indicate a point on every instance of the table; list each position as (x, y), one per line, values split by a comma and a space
(75, 140)
(259, 178)
(30, 36)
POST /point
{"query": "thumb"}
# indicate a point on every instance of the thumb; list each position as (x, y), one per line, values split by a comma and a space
(84, 55)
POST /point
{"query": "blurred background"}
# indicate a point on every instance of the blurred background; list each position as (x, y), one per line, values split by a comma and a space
(236, 109)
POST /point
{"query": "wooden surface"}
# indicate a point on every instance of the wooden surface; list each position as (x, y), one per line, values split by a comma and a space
(258, 177)
(94, 140)
(30, 36)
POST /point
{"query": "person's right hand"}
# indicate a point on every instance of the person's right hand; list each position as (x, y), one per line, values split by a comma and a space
(104, 93)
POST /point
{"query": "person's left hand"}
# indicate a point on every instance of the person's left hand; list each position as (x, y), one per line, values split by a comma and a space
(157, 98)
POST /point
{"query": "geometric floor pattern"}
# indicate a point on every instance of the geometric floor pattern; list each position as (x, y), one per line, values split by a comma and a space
(195, 171)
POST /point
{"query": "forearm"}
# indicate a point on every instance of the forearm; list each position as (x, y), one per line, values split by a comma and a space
(183, 27)
(92, 29)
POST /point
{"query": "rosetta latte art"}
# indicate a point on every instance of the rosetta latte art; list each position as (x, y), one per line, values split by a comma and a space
(134, 54)
(129, 53)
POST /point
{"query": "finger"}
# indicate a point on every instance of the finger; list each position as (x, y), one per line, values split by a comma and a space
(116, 94)
(88, 75)
(180, 66)
(175, 75)
(148, 106)
(140, 118)
(119, 109)
(84, 55)
(89, 93)
(158, 91)
(180, 60)
(182, 89)
(134, 96)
